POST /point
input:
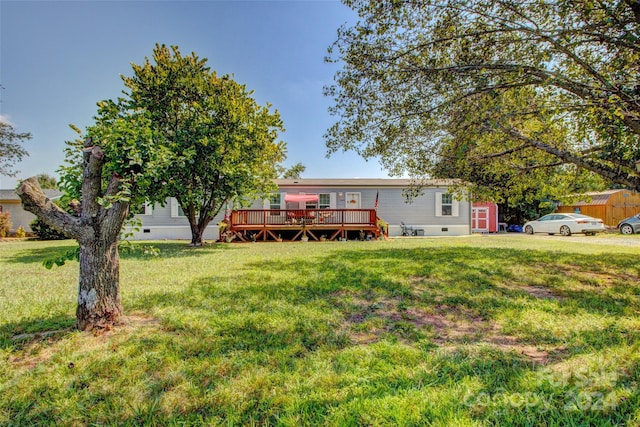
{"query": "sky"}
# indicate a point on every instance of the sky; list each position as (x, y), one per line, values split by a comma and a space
(59, 58)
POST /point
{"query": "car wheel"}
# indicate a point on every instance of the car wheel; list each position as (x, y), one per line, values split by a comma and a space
(565, 231)
(528, 229)
(626, 229)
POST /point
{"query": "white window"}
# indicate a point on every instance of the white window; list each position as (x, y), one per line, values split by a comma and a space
(274, 201)
(446, 205)
(311, 205)
(176, 209)
(324, 201)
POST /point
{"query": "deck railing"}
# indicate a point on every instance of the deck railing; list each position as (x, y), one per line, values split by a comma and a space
(318, 217)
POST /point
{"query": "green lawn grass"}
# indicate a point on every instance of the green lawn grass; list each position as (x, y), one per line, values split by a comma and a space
(500, 330)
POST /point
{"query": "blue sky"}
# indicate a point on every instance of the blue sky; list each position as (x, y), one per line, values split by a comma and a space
(58, 58)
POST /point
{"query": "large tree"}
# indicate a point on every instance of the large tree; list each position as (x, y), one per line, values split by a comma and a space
(505, 171)
(221, 145)
(47, 181)
(293, 172)
(11, 150)
(428, 82)
(181, 131)
(108, 171)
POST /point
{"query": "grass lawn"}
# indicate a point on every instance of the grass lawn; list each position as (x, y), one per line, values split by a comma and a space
(473, 331)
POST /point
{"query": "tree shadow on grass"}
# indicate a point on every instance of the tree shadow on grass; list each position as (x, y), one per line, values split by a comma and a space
(282, 320)
(34, 253)
(350, 300)
(173, 249)
(409, 294)
(18, 334)
(449, 295)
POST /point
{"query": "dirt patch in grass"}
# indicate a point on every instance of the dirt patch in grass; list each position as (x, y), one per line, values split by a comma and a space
(541, 292)
(596, 278)
(38, 347)
(534, 353)
(448, 326)
(590, 278)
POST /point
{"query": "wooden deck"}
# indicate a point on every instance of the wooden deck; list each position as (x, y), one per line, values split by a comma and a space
(294, 224)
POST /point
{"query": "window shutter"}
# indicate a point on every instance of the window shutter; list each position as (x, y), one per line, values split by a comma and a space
(438, 203)
(266, 204)
(332, 200)
(455, 207)
(174, 207)
(283, 204)
(302, 205)
(148, 208)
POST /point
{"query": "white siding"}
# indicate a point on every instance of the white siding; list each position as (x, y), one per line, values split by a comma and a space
(333, 197)
(174, 208)
(420, 213)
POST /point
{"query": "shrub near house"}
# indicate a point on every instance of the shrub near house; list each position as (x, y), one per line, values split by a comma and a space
(5, 224)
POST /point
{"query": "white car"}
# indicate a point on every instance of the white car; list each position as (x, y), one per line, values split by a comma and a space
(565, 224)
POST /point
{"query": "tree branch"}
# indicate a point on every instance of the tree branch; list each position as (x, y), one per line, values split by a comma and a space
(631, 181)
(36, 202)
(505, 152)
(634, 5)
(111, 219)
(93, 159)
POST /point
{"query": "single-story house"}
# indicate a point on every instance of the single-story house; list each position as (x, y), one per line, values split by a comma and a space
(329, 208)
(611, 206)
(10, 202)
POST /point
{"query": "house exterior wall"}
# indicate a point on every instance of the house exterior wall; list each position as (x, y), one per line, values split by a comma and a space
(162, 222)
(165, 223)
(393, 208)
(19, 217)
(10, 202)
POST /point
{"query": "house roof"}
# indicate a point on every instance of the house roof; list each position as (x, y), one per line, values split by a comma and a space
(11, 195)
(594, 198)
(363, 182)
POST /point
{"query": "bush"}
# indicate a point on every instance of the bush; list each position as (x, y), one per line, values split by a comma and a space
(20, 233)
(5, 224)
(46, 232)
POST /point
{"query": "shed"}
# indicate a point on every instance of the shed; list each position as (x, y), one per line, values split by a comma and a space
(611, 206)
(484, 217)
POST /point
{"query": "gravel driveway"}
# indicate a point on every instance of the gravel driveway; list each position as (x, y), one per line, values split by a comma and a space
(598, 240)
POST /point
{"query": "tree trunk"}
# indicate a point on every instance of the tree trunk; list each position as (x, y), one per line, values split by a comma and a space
(96, 228)
(197, 234)
(197, 238)
(198, 227)
(99, 303)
